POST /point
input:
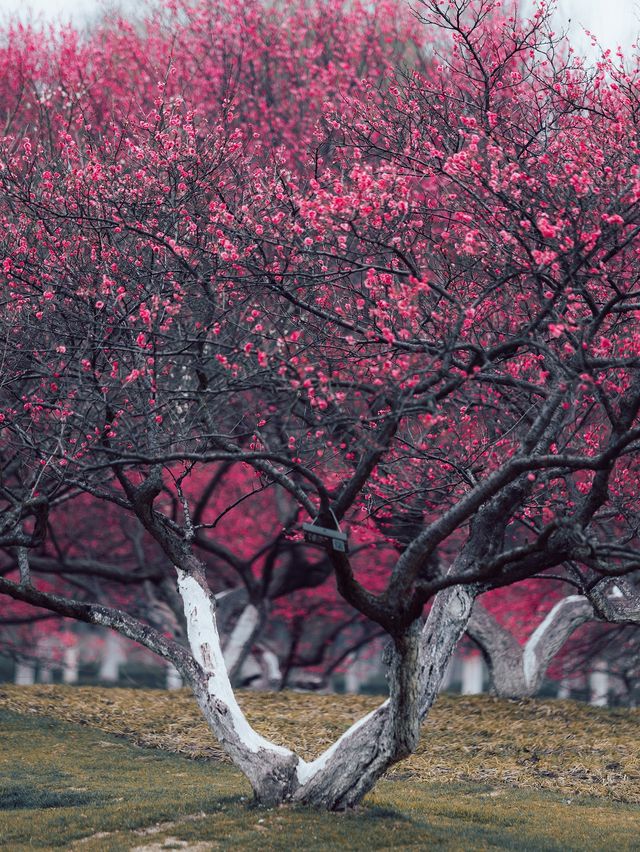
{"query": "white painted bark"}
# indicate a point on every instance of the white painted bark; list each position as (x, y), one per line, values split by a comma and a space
(25, 673)
(599, 686)
(340, 776)
(112, 658)
(518, 672)
(207, 652)
(45, 672)
(269, 767)
(447, 677)
(271, 672)
(240, 639)
(355, 676)
(173, 678)
(70, 664)
(551, 634)
(472, 675)
(46, 653)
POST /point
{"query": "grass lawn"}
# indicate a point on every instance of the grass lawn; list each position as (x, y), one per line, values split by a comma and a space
(68, 781)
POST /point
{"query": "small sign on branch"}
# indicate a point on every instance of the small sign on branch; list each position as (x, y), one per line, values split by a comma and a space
(325, 537)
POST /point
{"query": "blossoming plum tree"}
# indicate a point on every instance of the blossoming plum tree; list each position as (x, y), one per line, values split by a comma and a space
(426, 314)
(76, 78)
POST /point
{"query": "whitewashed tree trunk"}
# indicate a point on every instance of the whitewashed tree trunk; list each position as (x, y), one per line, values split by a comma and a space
(45, 672)
(270, 665)
(173, 678)
(70, 664)
(46, 649)
(599, 685)
(447, 677)
(341, 776)
(564, 689)
(240, 639)
(112, 657)
(472, 675)
(25, 673)
(355, 676)
(269, 768)
(518, 671)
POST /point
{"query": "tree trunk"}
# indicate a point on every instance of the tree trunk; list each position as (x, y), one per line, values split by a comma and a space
(45, 674)
(25, 673)
(355, 675)
(173, 678)
(70, 664)
(269, 768)
(599, 685)
(340, 777)
(472, 675)
(112, 657)
(518, 671)
(270, 668)
(241, 638)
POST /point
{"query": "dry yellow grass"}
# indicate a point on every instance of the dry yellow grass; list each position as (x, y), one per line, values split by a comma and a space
(561, 746)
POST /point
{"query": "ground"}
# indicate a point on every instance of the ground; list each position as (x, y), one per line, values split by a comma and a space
(102, 770)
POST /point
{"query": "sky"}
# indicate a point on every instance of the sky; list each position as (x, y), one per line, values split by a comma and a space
(613, 21)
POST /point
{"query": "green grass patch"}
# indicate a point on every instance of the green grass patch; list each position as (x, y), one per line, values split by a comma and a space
(61, 782)
(71, 786)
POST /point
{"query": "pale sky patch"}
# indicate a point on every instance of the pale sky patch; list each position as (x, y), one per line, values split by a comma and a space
(613, 22)
(79, 12)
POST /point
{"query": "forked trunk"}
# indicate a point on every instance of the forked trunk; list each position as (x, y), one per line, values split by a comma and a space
(343, 774)
(517, 671)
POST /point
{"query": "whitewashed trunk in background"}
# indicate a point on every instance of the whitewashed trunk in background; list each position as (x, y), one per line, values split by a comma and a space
(174, 678)
(355, 676)
(447, 677)
(564, 689)
(112, 658)
(70, 664)
(599, 686)
(472, 675)
(45, 672)
(518, 671)
(46, 650)
(25, 673)
(270, 665)
(240, 638)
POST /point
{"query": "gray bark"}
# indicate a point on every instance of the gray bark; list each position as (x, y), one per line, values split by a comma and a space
(347, 771)
(518, 671)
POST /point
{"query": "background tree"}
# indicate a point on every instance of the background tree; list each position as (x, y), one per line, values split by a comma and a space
(521, 634)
